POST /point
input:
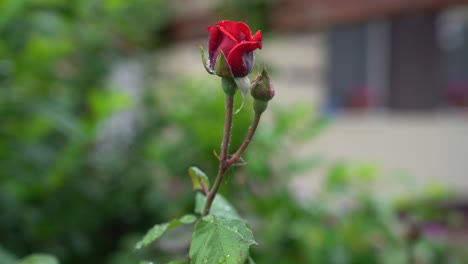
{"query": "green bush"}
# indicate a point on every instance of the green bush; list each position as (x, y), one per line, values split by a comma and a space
(58, 194)
(256, 13)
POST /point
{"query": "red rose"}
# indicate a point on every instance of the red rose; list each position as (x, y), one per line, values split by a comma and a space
(237, 43)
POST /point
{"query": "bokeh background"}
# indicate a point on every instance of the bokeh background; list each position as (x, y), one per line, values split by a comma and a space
(361, 158)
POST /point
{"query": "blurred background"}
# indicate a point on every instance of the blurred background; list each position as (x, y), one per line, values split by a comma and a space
(361, 158)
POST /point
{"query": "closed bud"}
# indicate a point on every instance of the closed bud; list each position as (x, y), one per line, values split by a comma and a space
(261, 87)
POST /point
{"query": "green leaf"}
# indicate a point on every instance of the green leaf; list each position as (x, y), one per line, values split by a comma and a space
(158, 230)
(188, 219)
(39, 259)
(219, 240)
(220, 207)
(197, 175)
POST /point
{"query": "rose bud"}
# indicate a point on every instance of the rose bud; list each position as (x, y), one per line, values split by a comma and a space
(235, 40)
(262, 91)
(261, 87)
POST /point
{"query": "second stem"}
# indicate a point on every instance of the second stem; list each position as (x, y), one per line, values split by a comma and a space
(223, 157)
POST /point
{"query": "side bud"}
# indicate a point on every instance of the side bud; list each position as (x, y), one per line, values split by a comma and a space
(262, 91)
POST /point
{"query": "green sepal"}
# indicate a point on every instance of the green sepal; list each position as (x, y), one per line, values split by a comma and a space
(229, 86)
(260, 106)
(205, 64)
(244, 86)
(222, 68)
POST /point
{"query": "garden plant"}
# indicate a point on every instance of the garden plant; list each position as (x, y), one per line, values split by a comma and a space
(70, 193)
(220, 235)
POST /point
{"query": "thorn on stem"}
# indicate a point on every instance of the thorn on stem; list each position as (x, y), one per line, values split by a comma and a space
(240, 164)
(233, 161)
(216, 154)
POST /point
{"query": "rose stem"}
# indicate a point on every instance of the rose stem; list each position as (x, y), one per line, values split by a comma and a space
(224, 153)
(247, 139)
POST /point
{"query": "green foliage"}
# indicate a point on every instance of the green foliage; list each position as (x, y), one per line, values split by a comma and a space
(158, 230)
(139, 21)
(39, 259)
(256, 13)
(61, 190)
(220, 240)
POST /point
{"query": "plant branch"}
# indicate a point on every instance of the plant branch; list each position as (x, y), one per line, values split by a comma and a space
(223, 157)
(247, 140)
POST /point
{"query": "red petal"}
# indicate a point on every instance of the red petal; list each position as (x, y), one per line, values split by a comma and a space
(238, 30)
(240, 59)
(257, 37)
(225, 43)
(218, 40)
(227, 33)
